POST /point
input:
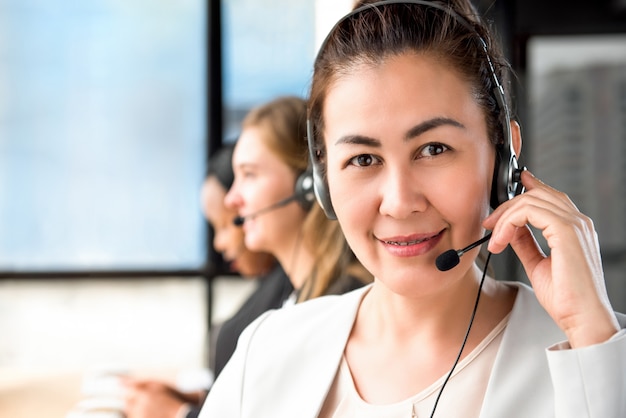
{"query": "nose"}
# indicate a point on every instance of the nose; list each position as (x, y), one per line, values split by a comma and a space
(233, 200)
(401, 194)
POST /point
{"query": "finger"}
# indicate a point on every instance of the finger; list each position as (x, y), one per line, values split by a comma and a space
(539, 213)
(535, 188)
(531, 182)
(527, 249)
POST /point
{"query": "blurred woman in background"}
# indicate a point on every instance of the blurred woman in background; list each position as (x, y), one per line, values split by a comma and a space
(273, 194)
(149, 398)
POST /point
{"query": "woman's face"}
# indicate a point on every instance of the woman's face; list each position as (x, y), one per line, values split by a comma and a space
(229, 239)
(262, 179)
(409, 168)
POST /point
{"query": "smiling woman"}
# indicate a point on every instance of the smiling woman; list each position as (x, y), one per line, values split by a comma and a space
(414, 152)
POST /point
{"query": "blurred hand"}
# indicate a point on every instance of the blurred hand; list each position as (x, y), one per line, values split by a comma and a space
(153, 399)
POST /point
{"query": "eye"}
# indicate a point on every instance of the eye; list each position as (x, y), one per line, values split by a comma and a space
(248, 174)
(363, 160)
(431, 150)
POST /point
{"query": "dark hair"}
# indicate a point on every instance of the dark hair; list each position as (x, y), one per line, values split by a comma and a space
(450, 31)
(220, 166)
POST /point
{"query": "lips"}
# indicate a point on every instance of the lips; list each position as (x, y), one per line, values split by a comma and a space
(411, 245)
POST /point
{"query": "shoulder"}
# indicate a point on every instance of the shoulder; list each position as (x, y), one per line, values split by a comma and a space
(303, 320)
(292, 351)
(319, 309)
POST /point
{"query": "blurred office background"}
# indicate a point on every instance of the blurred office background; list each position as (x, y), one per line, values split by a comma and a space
(109, 110)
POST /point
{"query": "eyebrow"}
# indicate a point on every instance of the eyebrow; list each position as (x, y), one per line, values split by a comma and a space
(431, 124)
(414, 132)
(245, 165)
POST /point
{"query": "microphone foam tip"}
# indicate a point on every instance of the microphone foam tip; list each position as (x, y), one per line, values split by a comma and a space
(447, 260)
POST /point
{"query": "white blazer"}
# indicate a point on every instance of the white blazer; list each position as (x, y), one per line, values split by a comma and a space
(286, 361)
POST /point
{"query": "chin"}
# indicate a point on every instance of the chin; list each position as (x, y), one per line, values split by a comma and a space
(253, 244)
(412, 280)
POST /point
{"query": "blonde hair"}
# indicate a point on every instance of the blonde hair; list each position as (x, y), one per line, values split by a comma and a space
(284, 121)
(333, 257)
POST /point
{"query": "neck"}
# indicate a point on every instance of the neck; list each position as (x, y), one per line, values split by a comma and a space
(446, 313)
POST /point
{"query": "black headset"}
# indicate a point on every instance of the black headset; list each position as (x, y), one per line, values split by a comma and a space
(304, 192)
(507, 174)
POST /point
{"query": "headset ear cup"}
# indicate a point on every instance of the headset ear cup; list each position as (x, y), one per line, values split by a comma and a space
(507, 181)
(304, 190)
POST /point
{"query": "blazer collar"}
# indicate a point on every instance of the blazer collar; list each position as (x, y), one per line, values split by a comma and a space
(521, 362)
(331, 347)
(314, 356)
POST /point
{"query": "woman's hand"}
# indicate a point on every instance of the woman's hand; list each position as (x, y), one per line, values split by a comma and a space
(153, 399)
(569, 283)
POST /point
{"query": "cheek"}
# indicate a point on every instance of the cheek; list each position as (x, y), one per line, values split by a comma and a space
(251, 241)
(463, 201)
(250, 195)
(354, 206)
(270, 190)
(349, 200)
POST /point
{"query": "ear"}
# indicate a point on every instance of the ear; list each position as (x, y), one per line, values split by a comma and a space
(516, 137)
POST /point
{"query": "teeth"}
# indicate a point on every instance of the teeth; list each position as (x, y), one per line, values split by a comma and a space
(406, 243)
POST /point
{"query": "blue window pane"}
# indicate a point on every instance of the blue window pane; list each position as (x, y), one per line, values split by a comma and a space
(102, 134)
(268, 50)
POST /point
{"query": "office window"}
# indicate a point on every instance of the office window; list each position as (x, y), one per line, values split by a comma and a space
(102, 134)
(268, 50)
(576, 121)
(577, 135)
